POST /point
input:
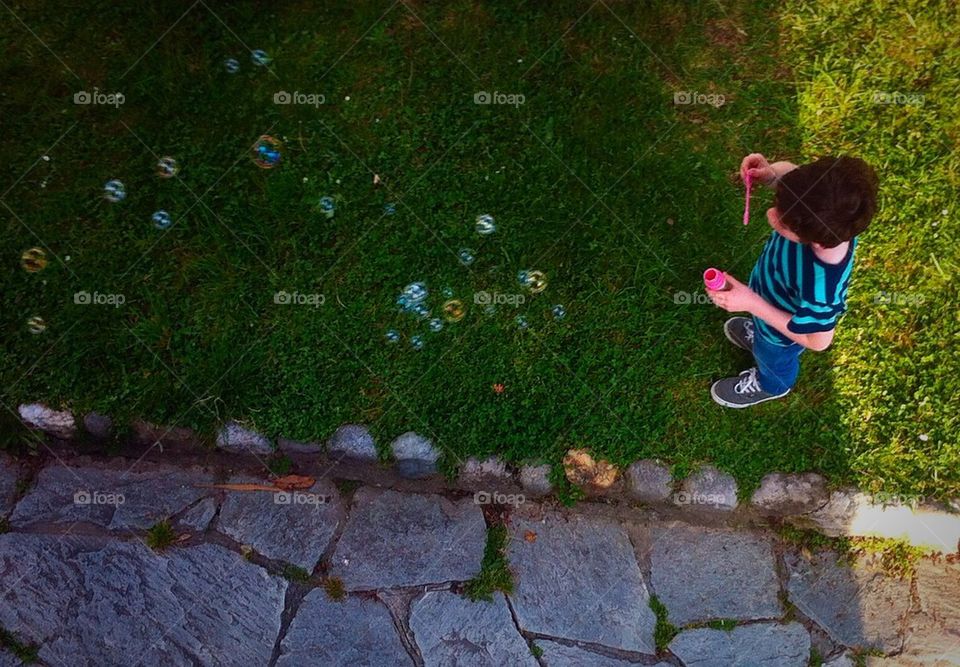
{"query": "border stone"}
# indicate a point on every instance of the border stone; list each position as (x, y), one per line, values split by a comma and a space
(703, 574)
(708, 488)
(294, 527)
(491, 472)
(397, 539)
(449, 629)
(236, 439)
(59, 423)
(858, 606)
(352, 442)
(781, 494)
(578, 578)
(535, 479)
(112, 498)
(354, 631)
(852, 512)
(98, 426)
(755, 645)
(414, 455)
(649, 482)
(118, 603)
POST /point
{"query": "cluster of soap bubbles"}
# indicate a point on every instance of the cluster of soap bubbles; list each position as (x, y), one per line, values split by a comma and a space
(258, 57)
(413, 299)
(34, 260)
(114, 191)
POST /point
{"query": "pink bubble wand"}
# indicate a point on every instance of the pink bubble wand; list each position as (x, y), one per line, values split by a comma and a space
(746, 205)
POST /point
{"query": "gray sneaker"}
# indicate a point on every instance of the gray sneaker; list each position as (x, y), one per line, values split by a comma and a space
(739, 331)
(742, 391)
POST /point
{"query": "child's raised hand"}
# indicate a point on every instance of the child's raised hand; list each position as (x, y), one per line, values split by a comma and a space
(758, 167)
(737, 299)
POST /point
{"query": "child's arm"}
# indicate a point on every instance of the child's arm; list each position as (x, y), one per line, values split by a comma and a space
(762, 171)
(740, 298)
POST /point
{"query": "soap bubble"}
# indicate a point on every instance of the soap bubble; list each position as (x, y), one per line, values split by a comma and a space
(36, 325)
(485, 225)
(436, 324)
(453, 310)
(404, 302)
(559, 312)
(232, 65)
(161, 220)
(416, 342)
(167, 167)
(447, 293)
(466, 256)
(521, 322)
(33, 260)
(266, 152)
(489, 310)
(114, 191)
(327, 206)
(421, 311)
(259, 58)
(389, 208)
(535, 281)
(392, 336)
(415, 292)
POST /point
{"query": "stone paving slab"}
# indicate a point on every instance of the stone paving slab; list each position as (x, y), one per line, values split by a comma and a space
(118, 603)
(294, 527)
(452, 630)
(857, 606)
(933, 635)
(402, 539)
(578, 578)
(702, 574)
(110, 497)
(754, 645)
(556, 654)
(8, 659)
(355, 631)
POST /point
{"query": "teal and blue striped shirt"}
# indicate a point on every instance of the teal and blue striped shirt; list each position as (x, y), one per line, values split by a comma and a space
(791, 277)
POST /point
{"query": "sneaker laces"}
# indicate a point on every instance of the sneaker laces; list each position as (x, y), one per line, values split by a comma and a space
(748, 331)
(748, 384)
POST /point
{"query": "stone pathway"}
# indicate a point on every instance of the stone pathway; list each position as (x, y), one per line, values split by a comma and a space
(341, 574)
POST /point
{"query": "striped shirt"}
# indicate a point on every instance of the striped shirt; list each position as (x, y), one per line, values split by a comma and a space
(791, 277)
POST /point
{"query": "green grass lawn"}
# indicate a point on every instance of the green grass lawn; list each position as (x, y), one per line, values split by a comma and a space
(598, 179)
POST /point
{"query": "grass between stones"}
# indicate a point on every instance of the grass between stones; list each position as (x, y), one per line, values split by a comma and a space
(494, 572)
(160, 536)
(598, 179)
(896, 558)
(27, 653)
(664, 631)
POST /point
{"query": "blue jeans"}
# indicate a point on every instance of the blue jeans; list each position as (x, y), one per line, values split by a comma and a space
(777, 365)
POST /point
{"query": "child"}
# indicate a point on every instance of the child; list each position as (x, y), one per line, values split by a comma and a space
(798, 287)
